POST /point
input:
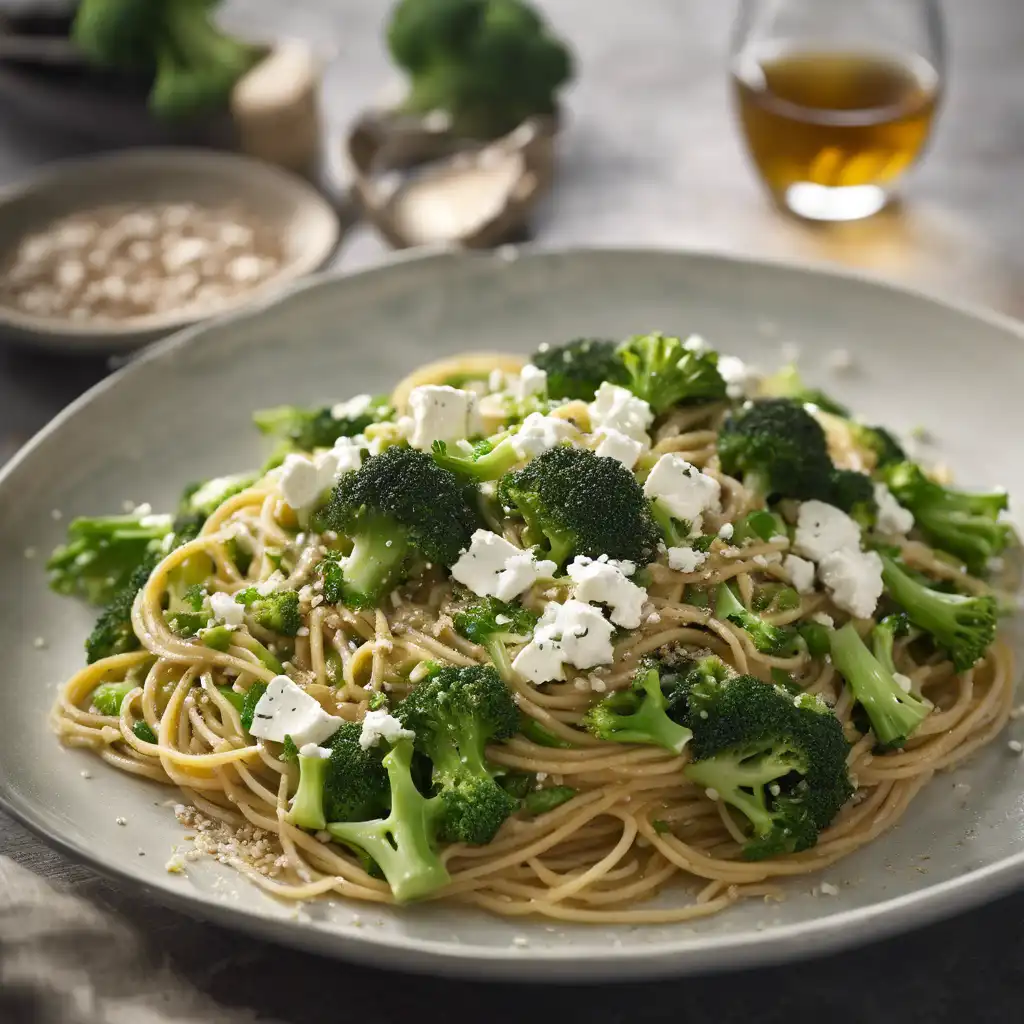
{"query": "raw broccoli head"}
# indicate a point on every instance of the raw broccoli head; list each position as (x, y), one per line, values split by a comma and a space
(779, 641)
(664, 373)
(102, 553)
(966, 525)
(113, 633)
(779, 760)
(639, 714)
(305, 429)
(455, 713)
(964, 625)
(576, 503)
(577, 369)
(893, 712)
(277, 611)
(400, 503)
(492, 623)
(490, 64)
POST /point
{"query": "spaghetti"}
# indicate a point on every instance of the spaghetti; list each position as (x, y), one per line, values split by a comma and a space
(636, 827)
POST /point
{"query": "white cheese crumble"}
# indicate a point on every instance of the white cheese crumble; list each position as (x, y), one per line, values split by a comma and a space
(299, 481)
(619, 409)
(345, 457)
(685, 559)
(380, 725)
(823, 619)
(605, 582)
(905, 683)
(616, 445)
(738, 376)
(828, 889)
(287, 710)
(726, 531)
(226, 609)
(441, 413)
(854, 578)
(353, 408)
(893, 518)
(822, 529)
(494, 567)
(538, 433)
(532, 381)
(682, 490)
(801, 573)
(314, 750)
(572, 633)
(695, 343)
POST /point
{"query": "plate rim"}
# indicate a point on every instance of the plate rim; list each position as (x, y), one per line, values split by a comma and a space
(698, 954)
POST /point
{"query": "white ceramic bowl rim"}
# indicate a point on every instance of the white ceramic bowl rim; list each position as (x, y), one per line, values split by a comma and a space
(704, 953)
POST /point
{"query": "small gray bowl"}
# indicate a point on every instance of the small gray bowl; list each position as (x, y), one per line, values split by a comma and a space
(307, 224)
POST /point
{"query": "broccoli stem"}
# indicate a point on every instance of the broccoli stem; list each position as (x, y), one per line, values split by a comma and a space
(894, 714)
(768, 639)
(541, 801)
(495, 647)
(646, 721)
(378, 552)
(674, 535)
(739, 779)
(964, 625)
(496, 463)
(307, 807)
(402, 844)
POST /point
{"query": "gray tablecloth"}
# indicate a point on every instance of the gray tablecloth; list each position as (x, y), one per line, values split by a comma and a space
(651, 156)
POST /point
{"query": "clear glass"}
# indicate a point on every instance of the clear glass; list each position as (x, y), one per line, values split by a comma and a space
(836, 98)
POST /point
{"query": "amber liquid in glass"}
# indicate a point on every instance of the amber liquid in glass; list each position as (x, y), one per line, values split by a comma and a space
(834, 119)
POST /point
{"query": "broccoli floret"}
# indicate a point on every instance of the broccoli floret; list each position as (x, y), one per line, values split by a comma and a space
(402, 845)
(963, 625)
(780, 451)
(194, 63)
(576, 503)
(966, 525)
(577, 369)
(880, 442)
(455, 713)
(277, 611)
(144, 732)
(305, 429)
(492, 623)
(779, 760)
(486, 461)
(664, 373)
(398, 504)
(787, 383)
(203, 498)
(113, 632)
(249, 702)
(490, 64)
(356, 785)
(893, 712)
(638, 715)
(778, 641)
(102, 553)
(187, 607)
(107, 698)
(757, 526)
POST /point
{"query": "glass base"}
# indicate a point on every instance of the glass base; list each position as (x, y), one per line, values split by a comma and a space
(821, 202)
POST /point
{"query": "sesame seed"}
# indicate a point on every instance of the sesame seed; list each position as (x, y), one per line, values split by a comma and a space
(56, 515)
(1016, 746)
(711, 794)
(86, 774)
(39, 643)
(30, 552)
(520, 941)
(121, 821)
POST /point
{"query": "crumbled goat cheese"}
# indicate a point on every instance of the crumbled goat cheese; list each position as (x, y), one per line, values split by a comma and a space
(287, 710)
(379, 725)
(573, 633)
(441, 413)
(353, 408)
(1016, 746)
(538, 433)
(801, 573)
(828, 889)
(854, 578)
(823, 619)
(726, 531)
(605, 583)
(682, 490)
(315, 750)
(616, 445)
(226, 609)
(893, 518)
(532, 381)
(738, 376)
(822, 529)
(300, 481)
(345, 457)
(905, 683)
(695, 343)
(685, 559)
(494, 567)
(619, 409)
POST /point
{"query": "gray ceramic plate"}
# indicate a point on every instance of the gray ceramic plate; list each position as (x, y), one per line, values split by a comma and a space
(181, 412)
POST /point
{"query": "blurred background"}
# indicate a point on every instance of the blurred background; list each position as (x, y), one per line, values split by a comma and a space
(666, 123)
